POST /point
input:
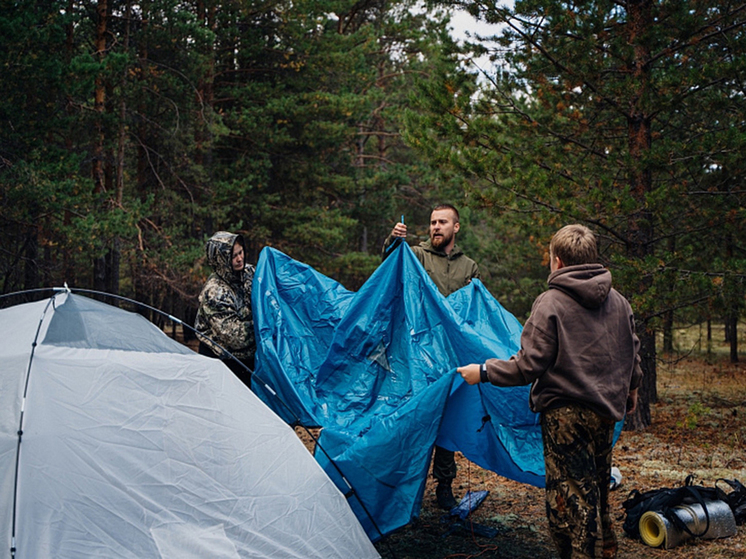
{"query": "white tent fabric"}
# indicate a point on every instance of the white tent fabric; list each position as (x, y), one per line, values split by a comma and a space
(133, 446)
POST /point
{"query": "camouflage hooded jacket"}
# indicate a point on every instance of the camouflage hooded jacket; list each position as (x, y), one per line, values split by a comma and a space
(224, 314)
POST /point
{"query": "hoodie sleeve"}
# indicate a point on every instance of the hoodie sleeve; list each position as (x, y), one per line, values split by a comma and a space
(537, 354)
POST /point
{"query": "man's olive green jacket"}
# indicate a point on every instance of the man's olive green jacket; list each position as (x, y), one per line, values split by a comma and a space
(449, 272)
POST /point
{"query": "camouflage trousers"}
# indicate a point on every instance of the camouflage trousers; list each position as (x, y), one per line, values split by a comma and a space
(577, 458)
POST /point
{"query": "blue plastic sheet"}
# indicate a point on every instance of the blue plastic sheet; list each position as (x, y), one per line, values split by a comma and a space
(376, 369)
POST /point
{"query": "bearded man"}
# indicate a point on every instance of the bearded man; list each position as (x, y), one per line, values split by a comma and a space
(450, 269)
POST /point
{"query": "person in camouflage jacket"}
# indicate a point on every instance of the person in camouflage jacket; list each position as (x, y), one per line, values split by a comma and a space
(224, 320)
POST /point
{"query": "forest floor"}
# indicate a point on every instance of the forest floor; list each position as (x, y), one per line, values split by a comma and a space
(698, 427)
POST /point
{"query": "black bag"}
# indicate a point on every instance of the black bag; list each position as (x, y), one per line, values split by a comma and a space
(736, 499)
(663, 500)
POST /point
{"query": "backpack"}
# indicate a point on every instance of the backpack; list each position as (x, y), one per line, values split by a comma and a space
(664, 500)
(736, 499)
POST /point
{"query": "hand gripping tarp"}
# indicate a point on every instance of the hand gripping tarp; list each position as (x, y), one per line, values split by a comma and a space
(133, 446)
(376, 369)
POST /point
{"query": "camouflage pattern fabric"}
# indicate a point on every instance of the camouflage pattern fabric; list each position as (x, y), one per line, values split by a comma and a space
(224, 316)
(577, 456)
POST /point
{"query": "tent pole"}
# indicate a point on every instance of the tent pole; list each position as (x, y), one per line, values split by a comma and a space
(20, 427)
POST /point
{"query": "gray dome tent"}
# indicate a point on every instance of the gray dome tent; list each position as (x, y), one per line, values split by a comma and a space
(116, 441)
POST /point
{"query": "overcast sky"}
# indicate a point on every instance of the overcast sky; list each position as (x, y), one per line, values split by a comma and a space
(462, 23)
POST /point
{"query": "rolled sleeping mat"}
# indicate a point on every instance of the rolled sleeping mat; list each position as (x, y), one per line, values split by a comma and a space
(656, 530)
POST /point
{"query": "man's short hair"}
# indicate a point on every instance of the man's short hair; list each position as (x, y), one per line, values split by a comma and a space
(447, 207)
(574, 244)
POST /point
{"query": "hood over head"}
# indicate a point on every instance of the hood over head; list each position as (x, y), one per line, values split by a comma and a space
(219, 249)
(588, 284)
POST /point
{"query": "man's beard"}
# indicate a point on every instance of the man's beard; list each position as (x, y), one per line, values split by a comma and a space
(440, 242)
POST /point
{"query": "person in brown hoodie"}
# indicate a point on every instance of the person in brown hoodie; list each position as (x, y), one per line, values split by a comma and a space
(579, 352)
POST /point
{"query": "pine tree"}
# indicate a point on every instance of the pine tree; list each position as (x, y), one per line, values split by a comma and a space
(619, 116)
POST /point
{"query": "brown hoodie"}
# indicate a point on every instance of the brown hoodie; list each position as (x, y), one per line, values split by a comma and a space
(578, 346)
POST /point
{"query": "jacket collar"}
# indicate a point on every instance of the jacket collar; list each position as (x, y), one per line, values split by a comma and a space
(455, 251)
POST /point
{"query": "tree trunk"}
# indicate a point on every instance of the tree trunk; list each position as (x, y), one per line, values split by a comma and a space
(205, 93)
(732, 329)
(68, 260)
(668, 316)
(668, 332)
(48, 259)
(734, 297)
(99, 273)
(69, 276)
(31, 259)
(141, 180)
(115, 255)
(364, 240)
(97, 171)
(640, 222)
(113, 265)
(99, 99)
(648, 393)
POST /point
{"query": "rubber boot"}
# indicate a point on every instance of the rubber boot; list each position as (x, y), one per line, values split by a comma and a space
(444, 495)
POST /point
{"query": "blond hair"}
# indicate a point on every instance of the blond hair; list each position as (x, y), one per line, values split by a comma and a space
(574, 244)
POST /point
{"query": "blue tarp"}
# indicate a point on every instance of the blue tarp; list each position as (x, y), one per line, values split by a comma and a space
(376, 369)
